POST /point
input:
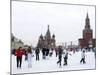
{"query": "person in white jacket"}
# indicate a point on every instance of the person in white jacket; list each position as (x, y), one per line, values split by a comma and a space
(29, 56)
(83, 57)
(65, 54)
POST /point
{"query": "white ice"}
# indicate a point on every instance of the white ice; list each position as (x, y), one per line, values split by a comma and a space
(50, 64)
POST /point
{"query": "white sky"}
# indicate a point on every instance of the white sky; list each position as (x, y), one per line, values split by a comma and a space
(30, 19)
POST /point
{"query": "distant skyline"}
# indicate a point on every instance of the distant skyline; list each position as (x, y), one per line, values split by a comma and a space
(30, 20)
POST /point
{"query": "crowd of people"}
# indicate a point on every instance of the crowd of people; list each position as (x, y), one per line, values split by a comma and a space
(46, 52)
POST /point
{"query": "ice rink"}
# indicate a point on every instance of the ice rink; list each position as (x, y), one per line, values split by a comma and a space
(50, 63)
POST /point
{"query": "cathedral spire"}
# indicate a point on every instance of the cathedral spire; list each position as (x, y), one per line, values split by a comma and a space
(48, 26)
(48, 35)
(41, 36)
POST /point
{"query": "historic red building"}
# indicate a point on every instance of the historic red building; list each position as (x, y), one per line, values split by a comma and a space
(47, 41)
(87, 40)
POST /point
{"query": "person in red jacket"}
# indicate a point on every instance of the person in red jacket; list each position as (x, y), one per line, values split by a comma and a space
(19, 52)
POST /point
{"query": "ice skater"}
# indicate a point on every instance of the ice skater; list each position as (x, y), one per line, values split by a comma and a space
(56, 51)
(59, 55)
(66, 57)
(44, 53)
(26, 55)
(47, 51)
(19, 52)
(83, 57)
(29, 56)
(37, 51)
(51, 52)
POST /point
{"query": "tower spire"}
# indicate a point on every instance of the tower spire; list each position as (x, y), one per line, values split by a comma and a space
(87, 16)
(87, 22)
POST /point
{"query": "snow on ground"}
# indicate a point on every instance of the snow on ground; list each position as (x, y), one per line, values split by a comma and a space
(50, 64)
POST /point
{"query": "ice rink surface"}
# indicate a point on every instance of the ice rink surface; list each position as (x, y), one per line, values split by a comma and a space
(50, 63)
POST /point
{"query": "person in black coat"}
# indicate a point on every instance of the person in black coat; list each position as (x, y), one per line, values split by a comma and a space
(43, 53)
(37, 51)
(65, 59)
(47, 51)
(59, 55)
(26, 55)
(51, 52)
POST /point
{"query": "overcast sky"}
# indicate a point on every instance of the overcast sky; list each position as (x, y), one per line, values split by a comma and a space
(30, 19)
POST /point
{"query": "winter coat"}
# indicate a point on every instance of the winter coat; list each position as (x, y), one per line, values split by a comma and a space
(47, 52)
(29, 55)
(83, 55)
(37, 51)
(44, 51)
(66, 56)
(60, 52)
(19, 53)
